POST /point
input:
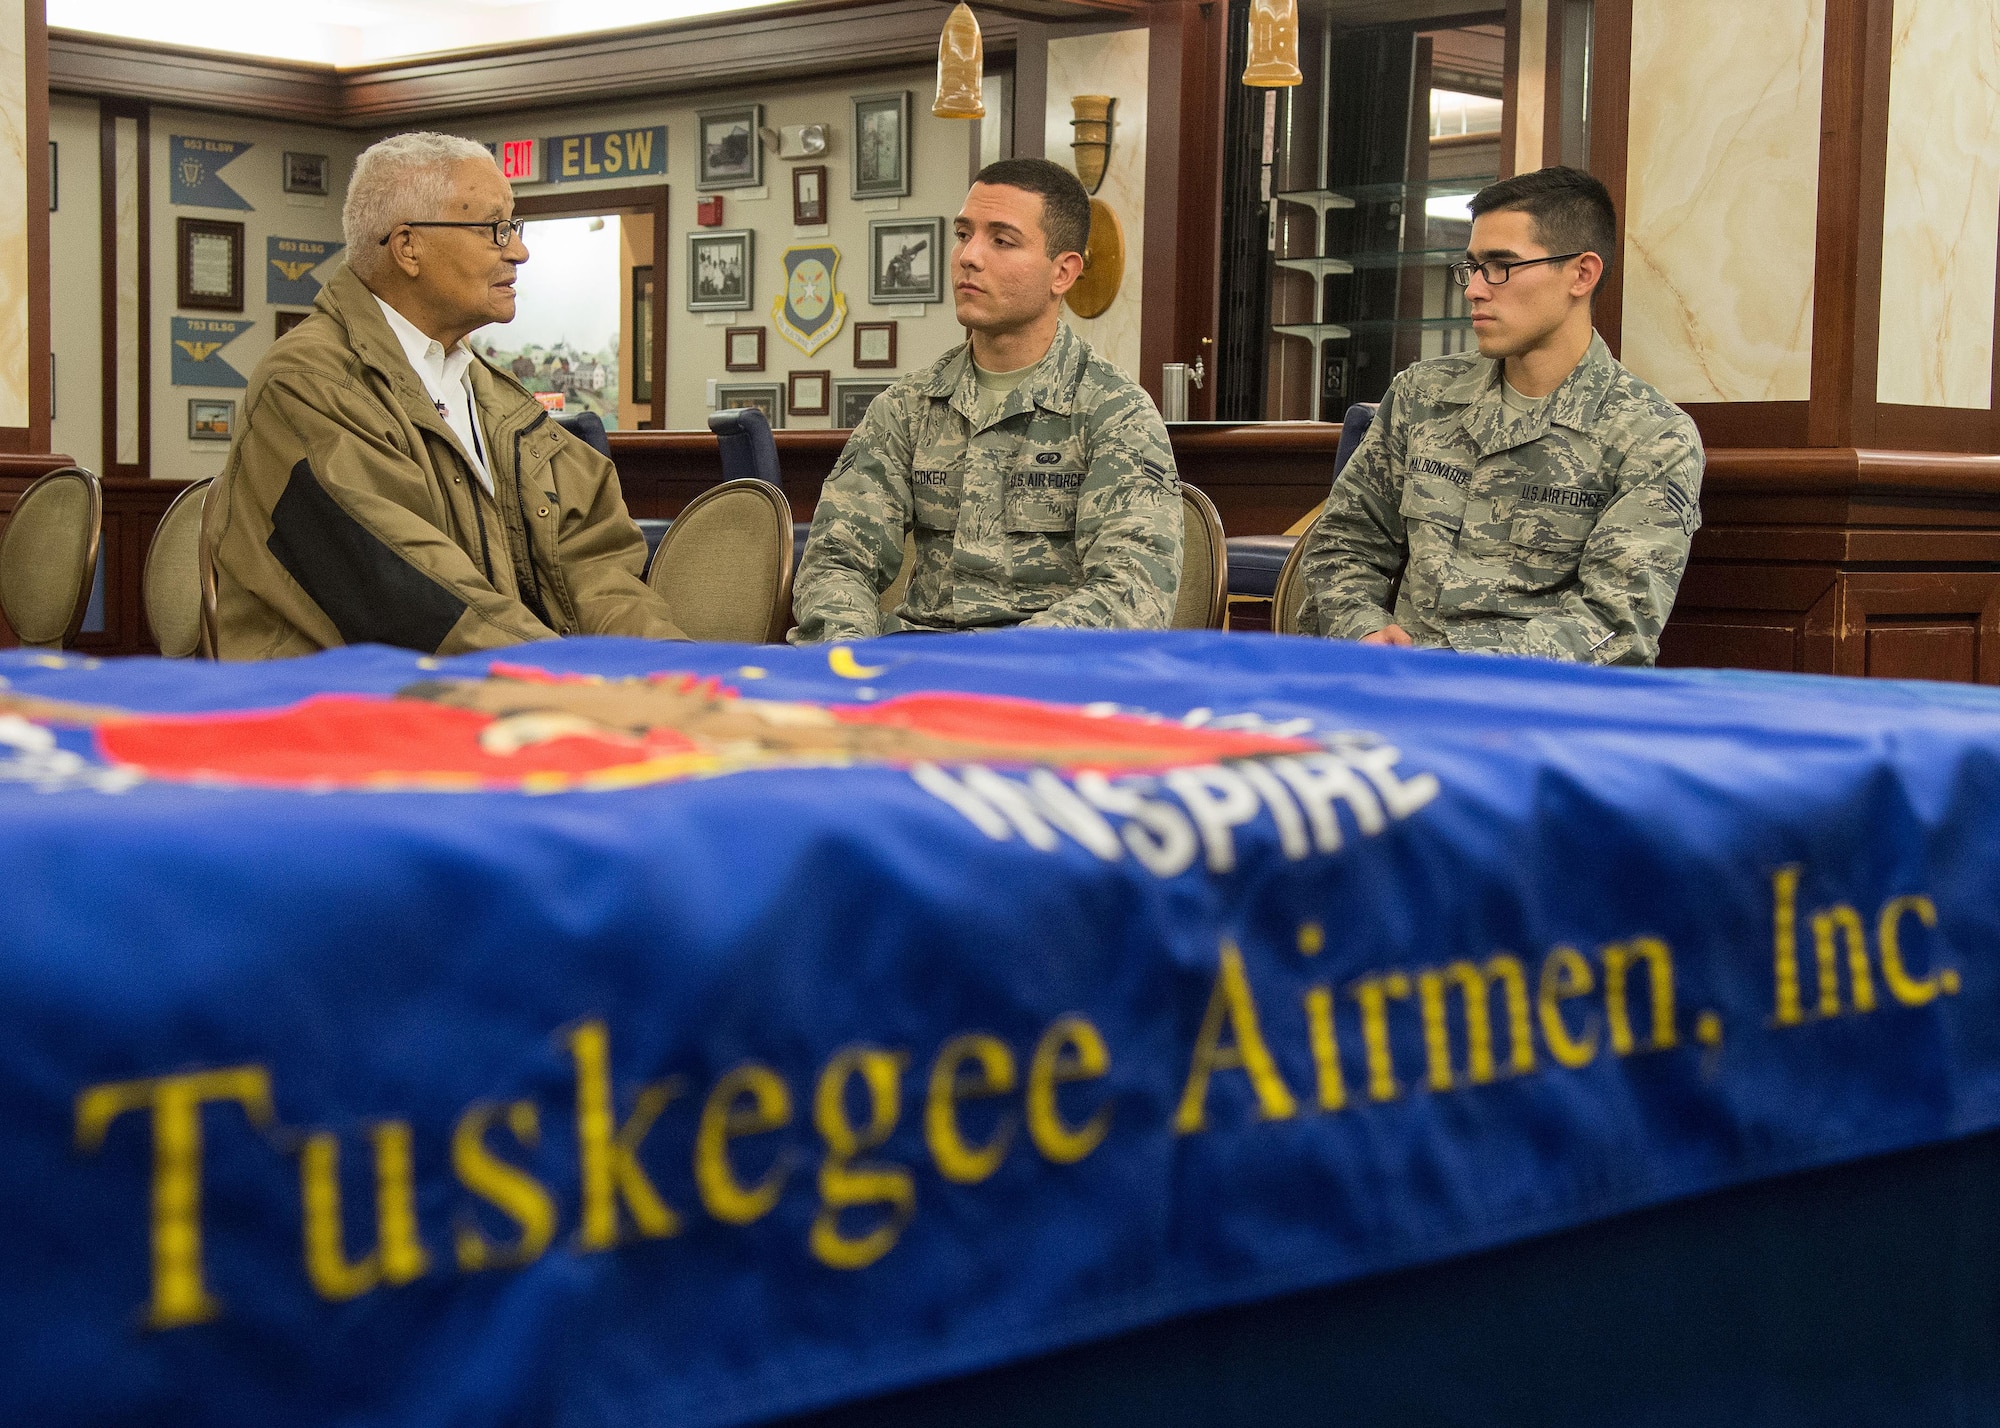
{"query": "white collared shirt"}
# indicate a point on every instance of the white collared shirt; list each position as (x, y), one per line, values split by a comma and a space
(444, 377)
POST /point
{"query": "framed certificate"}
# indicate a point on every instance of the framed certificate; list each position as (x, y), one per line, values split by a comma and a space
(808, 393)
(743, 349)
(208, 264)
(874, 344)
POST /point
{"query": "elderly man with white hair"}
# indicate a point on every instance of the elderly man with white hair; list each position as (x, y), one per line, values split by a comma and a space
(388, 485)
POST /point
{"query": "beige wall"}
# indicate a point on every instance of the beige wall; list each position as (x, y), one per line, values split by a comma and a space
(74, 293)
(940, 164)
(1115, 64)
(16, 203)
(1722, 197)
(1943, 205)
(258, 176)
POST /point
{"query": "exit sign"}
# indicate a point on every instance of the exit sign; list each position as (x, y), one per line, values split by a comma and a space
(520, 160)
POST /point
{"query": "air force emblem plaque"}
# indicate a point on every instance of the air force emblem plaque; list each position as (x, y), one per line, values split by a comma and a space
(810, 310)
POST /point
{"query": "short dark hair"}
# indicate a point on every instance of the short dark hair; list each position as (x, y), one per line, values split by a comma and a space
(1571, 209)
(1065, 206)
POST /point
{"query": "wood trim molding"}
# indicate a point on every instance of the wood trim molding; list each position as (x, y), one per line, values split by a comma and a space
(109, 112)
(1182, 281)
(1510, 88)
(712, 53)
(1610, 141)
(1848, 471)
(650, 198)
(34, 437)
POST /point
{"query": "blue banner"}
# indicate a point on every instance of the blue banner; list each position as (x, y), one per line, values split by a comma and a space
(697, 1034)
(289, 268)
(198, 344)
(194, 172)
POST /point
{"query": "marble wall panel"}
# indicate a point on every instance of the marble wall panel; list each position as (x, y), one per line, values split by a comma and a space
(1531, 85)
(1115, 64)
(16, 204)
(1942, 212)
(125, 179)
(1722, 198)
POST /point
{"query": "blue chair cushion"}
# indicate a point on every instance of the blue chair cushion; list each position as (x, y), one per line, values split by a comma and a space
(1254, 563)
(588, 427)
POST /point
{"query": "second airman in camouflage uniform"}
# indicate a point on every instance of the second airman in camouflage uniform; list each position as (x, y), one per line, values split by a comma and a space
(1562, 533)
(1061, 509)
(1031, 479)
(1533, 499)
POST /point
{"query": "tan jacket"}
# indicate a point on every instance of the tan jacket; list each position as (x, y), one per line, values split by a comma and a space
(349, 513)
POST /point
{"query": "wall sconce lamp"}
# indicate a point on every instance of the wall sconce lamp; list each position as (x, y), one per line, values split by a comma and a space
(1274, 44)
(961, 67)
(1090, 137)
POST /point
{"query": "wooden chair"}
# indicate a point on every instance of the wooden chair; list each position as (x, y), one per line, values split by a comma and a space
(1203, 602)
(725, 566)
(893, 596)
(172, 582)
(48, 558)
(1289, 598)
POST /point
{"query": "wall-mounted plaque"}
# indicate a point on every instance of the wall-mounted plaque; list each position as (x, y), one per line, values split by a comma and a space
(874, 344)
(767, 397)
(808, 393)
(882, 145)
(809, 195)
(743, 349)
(729, 151)
(306, 173)
(211, 418)
(208, 264)
(719, 269)
(906, 260)
(851, 399)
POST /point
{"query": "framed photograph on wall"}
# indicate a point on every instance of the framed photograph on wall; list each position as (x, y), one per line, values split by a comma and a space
(211, 418)
(882, 145)
(286, 321)
(767, 397)
(743, 349)
(808, 393)
(720, 269)
(208, 264)
(729, 153)
(306, 173)
(808, 195)
(642, 333)
(874, 344)
(851, 399)
(906, 260)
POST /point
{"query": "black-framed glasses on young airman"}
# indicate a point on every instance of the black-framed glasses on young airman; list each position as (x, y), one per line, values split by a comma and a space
(503, 232)
(1496, 272)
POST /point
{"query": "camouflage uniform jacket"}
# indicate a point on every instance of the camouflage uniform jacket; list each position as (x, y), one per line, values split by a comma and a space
(1063, 509)
(1563, 534)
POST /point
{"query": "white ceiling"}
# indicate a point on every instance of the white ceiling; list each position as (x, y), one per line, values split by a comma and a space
(359, 32)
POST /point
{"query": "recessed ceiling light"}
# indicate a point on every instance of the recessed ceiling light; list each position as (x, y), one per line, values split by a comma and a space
(359, 32)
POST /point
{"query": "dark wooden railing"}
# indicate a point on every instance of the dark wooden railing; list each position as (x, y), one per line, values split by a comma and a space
(1830, 561)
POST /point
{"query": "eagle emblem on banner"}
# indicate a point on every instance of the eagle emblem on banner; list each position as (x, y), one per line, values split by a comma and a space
(811, 309)
(197, 348)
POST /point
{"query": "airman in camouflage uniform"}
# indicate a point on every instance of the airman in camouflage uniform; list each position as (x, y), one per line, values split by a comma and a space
(1562, 533)
(1029, 479)
(1535, 499)
(1062, 509)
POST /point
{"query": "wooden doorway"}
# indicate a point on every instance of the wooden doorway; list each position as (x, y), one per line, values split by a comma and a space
(644, 206)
